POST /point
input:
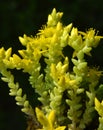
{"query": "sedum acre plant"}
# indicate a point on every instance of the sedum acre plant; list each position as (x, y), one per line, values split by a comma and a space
(66, 85)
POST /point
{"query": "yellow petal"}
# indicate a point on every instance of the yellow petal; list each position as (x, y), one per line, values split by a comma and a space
(61, 128)
(51, 117)
(41, 117)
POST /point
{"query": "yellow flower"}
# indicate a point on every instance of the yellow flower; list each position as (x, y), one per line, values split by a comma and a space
(99, 107)
(47, 122)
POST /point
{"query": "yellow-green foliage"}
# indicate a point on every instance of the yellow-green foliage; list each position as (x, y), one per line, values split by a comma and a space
(67, 92)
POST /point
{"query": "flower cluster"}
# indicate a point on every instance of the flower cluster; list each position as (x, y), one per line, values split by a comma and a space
(67, 86)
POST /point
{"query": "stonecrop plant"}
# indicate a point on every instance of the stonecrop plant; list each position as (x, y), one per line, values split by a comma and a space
(67, 87)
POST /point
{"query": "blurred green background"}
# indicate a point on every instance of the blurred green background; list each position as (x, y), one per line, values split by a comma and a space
(27, 16)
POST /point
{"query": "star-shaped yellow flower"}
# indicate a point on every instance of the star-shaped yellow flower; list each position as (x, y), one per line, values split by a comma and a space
(47, 122)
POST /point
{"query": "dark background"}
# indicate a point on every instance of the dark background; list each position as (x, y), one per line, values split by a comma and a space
(27, 16)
